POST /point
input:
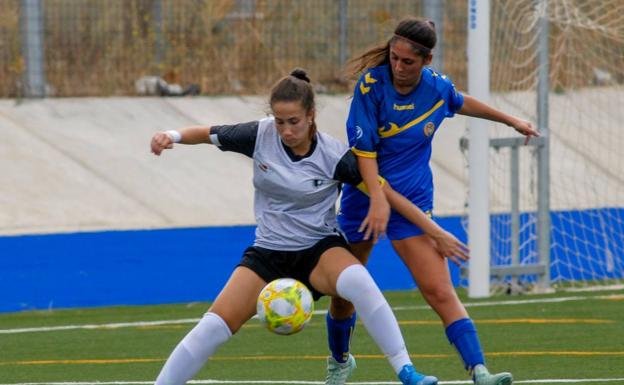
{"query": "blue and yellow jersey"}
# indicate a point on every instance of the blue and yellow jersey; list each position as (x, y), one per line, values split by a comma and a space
(397, 130)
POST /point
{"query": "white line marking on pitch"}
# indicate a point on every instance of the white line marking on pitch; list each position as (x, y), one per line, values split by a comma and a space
(200, 382)
(99, 326)
(195, 320)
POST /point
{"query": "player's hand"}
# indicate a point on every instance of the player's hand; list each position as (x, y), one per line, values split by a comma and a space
(450, 247)
(377, 218)
(160, 142)
(525, 128)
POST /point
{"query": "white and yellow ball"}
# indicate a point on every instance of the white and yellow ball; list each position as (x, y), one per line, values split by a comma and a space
(285, 306)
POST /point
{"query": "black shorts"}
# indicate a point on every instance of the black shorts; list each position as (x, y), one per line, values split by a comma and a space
(273, 264)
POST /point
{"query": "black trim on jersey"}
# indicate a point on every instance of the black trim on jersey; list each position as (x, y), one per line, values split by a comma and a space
(347, 170)
(296, 158)
(239, 137)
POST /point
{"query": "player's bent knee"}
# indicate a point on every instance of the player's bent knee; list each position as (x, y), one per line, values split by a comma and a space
(231, 321)
(439, 294)
(341, 308)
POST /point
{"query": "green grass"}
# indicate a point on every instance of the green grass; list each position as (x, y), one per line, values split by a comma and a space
(578, 339)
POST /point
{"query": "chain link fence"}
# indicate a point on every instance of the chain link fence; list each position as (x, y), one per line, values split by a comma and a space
(102, 47)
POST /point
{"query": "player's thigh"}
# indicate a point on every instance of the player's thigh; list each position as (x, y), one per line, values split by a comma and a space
(431, 273)
(362, 250)
(427, 266)
(332, 262)
(236, 303)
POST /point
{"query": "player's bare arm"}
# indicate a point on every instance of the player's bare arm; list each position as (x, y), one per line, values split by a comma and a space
(475, 108)
(191, 135)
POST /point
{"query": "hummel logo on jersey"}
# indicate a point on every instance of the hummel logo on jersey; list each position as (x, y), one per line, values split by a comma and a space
(263, 167)
(318, 182)
(403, 107)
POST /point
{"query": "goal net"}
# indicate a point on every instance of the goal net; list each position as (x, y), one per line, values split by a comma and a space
(586, 122)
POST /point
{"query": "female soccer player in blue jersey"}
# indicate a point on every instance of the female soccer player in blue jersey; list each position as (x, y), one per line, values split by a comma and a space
(398, 104)
(297, 177)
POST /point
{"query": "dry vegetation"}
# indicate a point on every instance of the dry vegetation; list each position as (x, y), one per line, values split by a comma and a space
(100, 47)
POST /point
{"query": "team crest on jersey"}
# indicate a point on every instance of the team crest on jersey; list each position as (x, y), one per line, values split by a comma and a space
(318, 182)
(429, 128)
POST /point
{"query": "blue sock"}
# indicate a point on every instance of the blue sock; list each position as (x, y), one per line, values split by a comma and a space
(339, 336)
(463, 335)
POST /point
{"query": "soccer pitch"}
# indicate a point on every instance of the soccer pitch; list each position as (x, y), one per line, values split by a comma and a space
(545, 339)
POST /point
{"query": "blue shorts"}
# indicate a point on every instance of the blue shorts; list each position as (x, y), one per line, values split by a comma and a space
(398, 227)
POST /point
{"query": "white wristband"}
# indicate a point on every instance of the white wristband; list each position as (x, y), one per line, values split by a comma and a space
(174, 135)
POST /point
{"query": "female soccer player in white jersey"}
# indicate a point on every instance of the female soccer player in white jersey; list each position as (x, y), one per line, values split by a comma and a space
(398, 105)
(297, 177)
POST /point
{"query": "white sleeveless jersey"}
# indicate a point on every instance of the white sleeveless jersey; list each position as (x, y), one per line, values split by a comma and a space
(295, 200)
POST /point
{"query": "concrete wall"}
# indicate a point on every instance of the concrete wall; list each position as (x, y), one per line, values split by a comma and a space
(79, 164)
(84, 164)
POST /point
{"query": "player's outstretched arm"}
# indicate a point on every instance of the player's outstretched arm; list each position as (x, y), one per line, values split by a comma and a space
(475, 108)
(191, 135)
(446, 243)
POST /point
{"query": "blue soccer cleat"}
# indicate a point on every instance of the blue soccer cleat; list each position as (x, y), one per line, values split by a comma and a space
(409, 376)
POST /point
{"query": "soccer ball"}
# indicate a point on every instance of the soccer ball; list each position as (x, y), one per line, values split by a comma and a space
(285, 306)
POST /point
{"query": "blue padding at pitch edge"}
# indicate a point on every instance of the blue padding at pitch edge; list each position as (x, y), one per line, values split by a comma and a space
(118, 267)
(184, 265)
(142, 266)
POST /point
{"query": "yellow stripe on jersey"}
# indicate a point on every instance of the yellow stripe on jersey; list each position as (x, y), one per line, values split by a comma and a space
(362, 185)
(364, 154)
(394, 129)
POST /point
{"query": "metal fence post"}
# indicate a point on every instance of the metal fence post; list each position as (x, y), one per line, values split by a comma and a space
(158, 38)
(515, 206)
(31, 25)
(343, 30)
(434, 10)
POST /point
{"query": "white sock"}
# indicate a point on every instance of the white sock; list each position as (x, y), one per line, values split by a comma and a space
(194, 350)
(357, 286)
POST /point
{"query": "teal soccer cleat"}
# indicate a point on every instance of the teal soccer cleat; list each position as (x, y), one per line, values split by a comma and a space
(409, 376)
(337, 372)
(483, 377)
